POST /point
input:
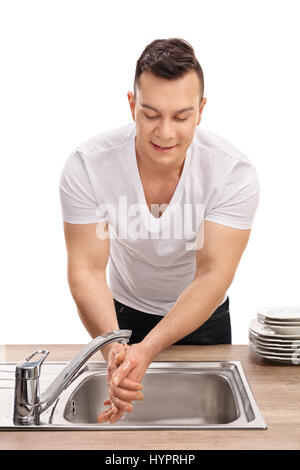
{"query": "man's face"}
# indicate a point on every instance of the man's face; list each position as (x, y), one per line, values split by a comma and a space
(160, 119)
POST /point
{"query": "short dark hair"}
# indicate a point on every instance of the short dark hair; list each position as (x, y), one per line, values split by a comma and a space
(168, 58)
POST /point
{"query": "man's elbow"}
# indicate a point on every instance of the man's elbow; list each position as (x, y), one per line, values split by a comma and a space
(219, 277)
(80, 280)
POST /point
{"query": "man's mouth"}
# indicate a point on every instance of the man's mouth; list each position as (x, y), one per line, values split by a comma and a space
(162, 148)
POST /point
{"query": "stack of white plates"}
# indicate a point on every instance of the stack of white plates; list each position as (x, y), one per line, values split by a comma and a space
(275, 335)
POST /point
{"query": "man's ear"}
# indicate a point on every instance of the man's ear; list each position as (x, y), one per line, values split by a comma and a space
(131, 101)
(201, 107)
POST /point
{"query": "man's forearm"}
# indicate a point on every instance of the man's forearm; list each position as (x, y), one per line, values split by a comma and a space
(192, 308)
(94, 303)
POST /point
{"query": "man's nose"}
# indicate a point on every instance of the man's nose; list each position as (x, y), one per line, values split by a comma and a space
(165, 132)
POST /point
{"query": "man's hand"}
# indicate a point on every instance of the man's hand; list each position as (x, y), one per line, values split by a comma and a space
(120, 397)
(123, 381)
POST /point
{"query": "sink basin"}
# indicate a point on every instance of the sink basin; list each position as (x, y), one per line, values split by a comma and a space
(170, 399)
(178, 395)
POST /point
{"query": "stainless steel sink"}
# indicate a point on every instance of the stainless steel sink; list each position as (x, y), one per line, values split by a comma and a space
(177, 395)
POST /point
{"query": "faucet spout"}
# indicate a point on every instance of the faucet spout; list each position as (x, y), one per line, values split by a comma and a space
(27, 375)
(67, 374)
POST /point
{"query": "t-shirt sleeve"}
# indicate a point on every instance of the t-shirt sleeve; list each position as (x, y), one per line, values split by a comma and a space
(77, 198)
(238, 202)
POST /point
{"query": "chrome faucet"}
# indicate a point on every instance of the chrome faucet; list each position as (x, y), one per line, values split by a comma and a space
(28, 404)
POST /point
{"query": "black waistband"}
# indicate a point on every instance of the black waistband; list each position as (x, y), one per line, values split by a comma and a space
(223, 309)
(220, 311)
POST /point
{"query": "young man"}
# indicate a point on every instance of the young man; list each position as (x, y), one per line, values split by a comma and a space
(171, 207)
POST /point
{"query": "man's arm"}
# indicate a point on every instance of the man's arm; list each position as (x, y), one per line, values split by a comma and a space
(87, 260)
(216, 264)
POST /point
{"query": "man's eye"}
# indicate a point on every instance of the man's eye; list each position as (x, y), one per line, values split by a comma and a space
(155, 117)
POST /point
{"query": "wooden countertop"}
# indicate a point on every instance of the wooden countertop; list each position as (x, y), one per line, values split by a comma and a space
(276, 389)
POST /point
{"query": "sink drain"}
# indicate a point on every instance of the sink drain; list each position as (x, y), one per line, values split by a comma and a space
(73, 407)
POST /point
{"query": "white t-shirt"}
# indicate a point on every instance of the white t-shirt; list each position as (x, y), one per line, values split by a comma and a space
(152, 260)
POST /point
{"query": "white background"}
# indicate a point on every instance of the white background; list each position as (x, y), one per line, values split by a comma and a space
(66, 69)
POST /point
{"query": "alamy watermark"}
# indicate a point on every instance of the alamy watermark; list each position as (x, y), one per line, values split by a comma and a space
(296, 353)
(136, 221)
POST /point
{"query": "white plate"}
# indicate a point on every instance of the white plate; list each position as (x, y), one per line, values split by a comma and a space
(274, 346)
(263, 330)
(271, 352)
(283, 330)
(276, 323)
(280, 313)
(291, 360)
(263, 319)
(284, 342)
(277, 358)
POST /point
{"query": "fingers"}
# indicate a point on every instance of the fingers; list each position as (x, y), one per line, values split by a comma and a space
(122, 398)
(105, 415)
(113, 414)
(121, 355)
(122, 371)
(117, 354)
(116, 357)
(127, 383)
(122, 404)
(130, 384)
(127, 395)
(116, 416)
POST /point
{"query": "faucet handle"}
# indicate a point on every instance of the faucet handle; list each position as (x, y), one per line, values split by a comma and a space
(28, 369)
